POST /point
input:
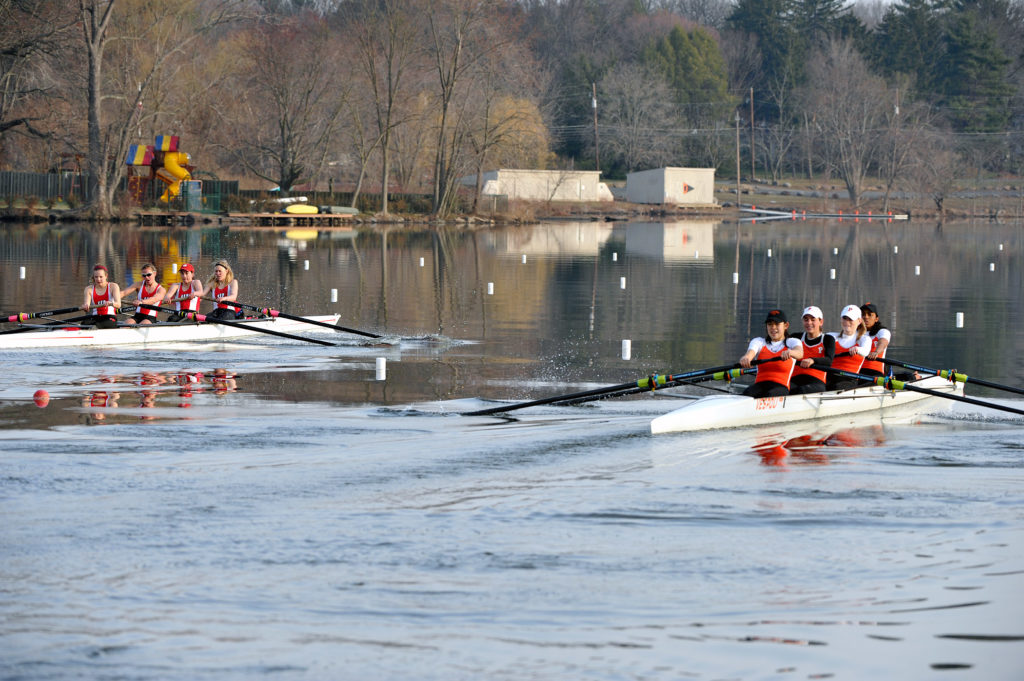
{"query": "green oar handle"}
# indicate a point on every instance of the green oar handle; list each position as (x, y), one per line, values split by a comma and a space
(893, 384)
(951, 375)
(662, 382)
(203, 318)
(277, 313)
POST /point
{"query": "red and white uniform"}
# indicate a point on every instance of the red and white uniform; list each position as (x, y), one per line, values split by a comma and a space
(146, 293)
(100, 298)
(192, 304)
(816, 351)
(777, 372)
(850, 351)
(875, 364)
(219, 293)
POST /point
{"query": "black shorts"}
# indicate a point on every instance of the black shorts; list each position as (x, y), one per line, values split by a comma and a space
(766, 389)
(804, 384)
(102, 321)
(225, 314)
(140, 317)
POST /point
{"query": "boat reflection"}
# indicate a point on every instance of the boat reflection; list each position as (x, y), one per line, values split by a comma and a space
(813, 448)
(156, 390)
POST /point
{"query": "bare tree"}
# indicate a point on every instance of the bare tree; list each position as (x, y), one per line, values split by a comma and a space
(126, 49)
(289, 101)
(934, 167)
(385, 33)
(636, 114)
(506, 128)
(29, 30)
(848, 106)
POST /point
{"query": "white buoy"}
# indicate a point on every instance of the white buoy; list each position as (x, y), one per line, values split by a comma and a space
(174, 268)
(835, 251)
(959, 320)
(615, 256)
(382, 370)
(769, 252)
(21, 273)
(831, 274)
(334, 295)
(421, 262)
(1000, 247)
(627, 349)
(735, 277)
(305, 264)
(895, 249)
(917, 270)
(490, 288)
(622, 282)
(991, 267)
(524, 258)
(696, 255)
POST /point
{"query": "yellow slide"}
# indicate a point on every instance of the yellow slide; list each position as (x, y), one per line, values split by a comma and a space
(173, 173)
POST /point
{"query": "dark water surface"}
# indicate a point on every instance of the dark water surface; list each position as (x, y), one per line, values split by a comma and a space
(269, 509)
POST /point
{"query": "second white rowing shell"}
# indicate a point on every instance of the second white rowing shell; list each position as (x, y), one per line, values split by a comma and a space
(145, 334)
(736, 411)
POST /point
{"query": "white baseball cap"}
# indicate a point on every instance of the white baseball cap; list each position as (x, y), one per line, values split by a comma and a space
(814, 311)
(851, 311)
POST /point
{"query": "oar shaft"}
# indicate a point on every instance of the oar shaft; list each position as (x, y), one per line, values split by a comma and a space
(893, 384)
(277, 313)
(717, 376)
(22, 316)
(951, 375)
(647, 383)
(203, 318)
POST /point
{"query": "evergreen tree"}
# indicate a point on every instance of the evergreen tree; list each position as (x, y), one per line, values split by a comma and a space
(970, 78)
(909, 39)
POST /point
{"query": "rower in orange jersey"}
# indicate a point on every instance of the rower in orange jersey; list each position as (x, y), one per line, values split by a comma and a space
(773, 378)
(853, 344)
(880, 338)
(150, 292)
(102, 299)
(809, 375)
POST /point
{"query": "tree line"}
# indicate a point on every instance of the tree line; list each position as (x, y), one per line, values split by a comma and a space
(412, 95)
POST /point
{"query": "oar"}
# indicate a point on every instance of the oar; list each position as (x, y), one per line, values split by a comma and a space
(56, 322)
(22, 316)
(951, 375)
(893, 384)
(277, 313)
(203, 318)
(660, 385)
(646, 383)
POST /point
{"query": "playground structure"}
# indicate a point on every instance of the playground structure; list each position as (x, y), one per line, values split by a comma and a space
(165, 162)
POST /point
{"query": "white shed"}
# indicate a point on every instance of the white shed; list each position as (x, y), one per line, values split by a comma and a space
(683, 186)
(544, 185)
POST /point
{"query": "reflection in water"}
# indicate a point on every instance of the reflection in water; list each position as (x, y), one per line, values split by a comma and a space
(808, 449)
(157, 389)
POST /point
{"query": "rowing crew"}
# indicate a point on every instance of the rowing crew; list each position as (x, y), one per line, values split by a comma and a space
(103, 297)
(799, 364)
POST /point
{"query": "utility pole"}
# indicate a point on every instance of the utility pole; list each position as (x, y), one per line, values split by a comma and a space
(593, 105)
(753, 172)
(737, 159)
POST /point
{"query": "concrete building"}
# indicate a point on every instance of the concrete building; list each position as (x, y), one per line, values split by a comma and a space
(682, 186)
(543, 185)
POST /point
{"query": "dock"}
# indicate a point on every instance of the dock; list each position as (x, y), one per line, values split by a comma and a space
(185, 219)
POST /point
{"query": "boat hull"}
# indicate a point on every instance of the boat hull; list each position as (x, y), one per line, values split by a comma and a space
(149, 334)
(736, 411)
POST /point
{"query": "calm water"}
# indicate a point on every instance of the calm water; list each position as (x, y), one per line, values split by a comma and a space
(269, 509)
